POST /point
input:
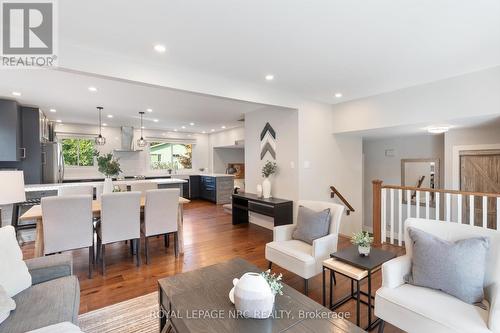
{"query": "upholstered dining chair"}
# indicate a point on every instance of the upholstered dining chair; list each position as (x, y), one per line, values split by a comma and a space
(75, 190)
(299, 257)
(120, 220)
(143, 187)
(67, 224)
(161, 214)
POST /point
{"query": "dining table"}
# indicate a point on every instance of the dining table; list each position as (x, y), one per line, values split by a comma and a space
(35, 214)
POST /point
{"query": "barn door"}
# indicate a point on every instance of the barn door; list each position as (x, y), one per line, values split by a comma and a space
(480, 172)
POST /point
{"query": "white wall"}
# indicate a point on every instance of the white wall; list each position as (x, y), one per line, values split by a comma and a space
(388, 169)
(223, 156)
(222, 139)
(467, 95)
(132, 163)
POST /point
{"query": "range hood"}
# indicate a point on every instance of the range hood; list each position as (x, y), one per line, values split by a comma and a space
(127, 143)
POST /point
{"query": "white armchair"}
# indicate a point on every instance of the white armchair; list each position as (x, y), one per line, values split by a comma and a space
(299, 257)
(419, 309)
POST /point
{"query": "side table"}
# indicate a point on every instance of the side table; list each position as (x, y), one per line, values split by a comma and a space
(349, 263)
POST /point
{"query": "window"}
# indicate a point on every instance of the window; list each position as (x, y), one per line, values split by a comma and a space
(78, 152)
(165, 155)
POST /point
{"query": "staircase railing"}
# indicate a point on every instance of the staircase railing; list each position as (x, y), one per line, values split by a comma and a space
(393, 204)
(334, 192)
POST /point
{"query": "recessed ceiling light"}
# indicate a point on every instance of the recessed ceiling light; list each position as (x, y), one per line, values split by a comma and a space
(338, 95)
(104, 124)
(203, 132)
(223, 127)
(110, 116)
(269, 77)
(58, 121)
(212, 130)
(53, 110)
(163, 134)
(160, 48)
(16, 93)
(175, 129)
(438, 129)
(143, 127)
(92, 89)
(183, 127)
(192, 124)
(155, 120)
(149, 110)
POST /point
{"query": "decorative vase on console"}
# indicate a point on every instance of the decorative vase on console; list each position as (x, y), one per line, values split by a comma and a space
(268, 169)
(109, 166)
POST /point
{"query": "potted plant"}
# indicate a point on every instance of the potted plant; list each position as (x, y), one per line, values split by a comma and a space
(109, 166)
(268, 169)
(363, 240)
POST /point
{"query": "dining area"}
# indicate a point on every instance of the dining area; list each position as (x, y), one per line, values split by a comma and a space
(87, 217)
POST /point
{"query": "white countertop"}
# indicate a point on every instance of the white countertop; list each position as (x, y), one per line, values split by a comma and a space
(48, 187)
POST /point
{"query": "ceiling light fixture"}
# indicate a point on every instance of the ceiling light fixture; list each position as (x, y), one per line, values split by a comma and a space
(104, 124)
(203, 132)
(100, 140)
(269, 77)
(160, 48)
(191, 124)
(338, 95)
(175, 129)
(141, 142)
(155, 120)
(149, 110)
(212, 130)
(53, 110)
(223, 127)
(92, 89)
(183, 127)
(16, 93)
(110, 116)
(58, 121)
(438, 129)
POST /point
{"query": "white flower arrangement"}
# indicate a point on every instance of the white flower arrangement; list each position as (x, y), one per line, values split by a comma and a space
(273, 281)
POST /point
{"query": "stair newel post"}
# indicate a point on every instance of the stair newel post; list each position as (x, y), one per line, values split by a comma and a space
(377, 211)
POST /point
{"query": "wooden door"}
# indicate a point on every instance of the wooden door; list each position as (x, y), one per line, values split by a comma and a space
(480, 172)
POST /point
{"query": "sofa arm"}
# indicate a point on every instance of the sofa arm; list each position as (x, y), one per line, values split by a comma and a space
(48, 268)
(394, 271)
(283, 232)
(493, 296)
(324, 246)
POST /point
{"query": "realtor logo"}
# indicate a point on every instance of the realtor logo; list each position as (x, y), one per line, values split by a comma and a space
(28, 34)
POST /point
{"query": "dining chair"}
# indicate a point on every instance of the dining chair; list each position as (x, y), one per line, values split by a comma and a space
(161, 212)
(75, 190)
(143, 187)
(120, 220)
(67, 224)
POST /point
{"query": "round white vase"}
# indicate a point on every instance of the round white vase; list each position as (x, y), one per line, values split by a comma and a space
(266, 188)
(108, 185)
(364, 250)
(252, 296)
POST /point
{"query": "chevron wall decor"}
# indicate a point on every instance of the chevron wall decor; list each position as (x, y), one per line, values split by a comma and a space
(268, 142)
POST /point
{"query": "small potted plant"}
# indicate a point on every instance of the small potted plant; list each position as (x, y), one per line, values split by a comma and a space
(109, 166)
(363, 240)
(268, 169)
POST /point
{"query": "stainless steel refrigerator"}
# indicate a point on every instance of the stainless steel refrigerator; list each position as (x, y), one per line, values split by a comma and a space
(52, 163)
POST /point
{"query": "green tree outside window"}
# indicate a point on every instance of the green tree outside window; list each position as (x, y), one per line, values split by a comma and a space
(78, 152)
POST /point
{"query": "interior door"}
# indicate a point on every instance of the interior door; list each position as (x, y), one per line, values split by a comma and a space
(480, 172)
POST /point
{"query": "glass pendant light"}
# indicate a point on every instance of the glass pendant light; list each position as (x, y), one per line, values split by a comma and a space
(141, 142)
(100, 140)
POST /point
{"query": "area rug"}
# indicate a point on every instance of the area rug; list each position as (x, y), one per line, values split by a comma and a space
(135, 315)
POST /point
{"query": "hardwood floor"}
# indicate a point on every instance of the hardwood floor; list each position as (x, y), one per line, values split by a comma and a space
(209, 238)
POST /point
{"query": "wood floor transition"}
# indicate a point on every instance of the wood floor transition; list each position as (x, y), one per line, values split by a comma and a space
(209, 238)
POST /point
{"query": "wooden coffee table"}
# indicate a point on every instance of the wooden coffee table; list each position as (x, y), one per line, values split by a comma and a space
(198, 301)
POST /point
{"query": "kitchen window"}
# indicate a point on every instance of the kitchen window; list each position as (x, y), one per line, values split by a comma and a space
(170, 156)
(78, 152)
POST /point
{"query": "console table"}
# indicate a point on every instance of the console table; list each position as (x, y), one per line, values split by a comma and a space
(280, 209)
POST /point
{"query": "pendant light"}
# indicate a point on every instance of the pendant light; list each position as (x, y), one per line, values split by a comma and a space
(100, 140)
(141, 142)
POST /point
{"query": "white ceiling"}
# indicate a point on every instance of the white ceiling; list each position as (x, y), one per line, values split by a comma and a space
(68, 94)
(314, 48)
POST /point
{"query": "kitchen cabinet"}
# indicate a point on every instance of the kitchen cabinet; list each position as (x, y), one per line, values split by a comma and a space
(10, 131)
(207, 188)
(217, 189)
(194, 187)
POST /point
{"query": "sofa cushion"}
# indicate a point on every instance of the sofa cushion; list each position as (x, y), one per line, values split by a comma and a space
(7, 304)
(44, 304)
(65, 327)
(419, 309)
(311, 224)
(456, 268)
(15, 276)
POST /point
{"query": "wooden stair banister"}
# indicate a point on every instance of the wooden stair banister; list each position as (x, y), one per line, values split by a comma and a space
(334, 192)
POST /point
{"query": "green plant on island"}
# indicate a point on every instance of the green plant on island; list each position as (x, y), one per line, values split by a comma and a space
(107, 164)
(269, 169)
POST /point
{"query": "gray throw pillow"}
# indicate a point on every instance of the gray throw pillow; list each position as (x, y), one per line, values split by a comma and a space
(311, 224)
(456, 268)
